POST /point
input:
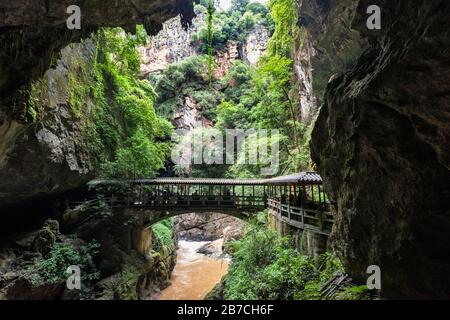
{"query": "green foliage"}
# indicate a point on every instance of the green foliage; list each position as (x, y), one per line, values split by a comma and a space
(186, 79)
(53, 269)
(121, 133)
(354, 293)
(31, 109)
(265, 97)
(139, 157)
(162, 234)
(210, 145)
(122, 286)
(230, 115)
(209, 28)
(284, 15)
(233, 25)
(127, 135)
(266, 266)
(261, 97)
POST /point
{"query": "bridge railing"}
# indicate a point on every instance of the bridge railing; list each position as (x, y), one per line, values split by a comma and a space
(316, 220)
(187, 201)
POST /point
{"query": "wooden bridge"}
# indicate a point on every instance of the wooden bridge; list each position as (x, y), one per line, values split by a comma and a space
(296, 199)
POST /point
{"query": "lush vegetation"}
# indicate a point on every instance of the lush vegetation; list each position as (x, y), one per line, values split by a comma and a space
(127, 131)
(247, 97)
(267, 98)
(231, 25)
(162, 234)
(186, 79)
(266, 266)
(122, 135)
(53, 269)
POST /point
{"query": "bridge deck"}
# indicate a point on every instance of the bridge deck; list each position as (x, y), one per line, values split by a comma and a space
(296, 199)
(181, 203)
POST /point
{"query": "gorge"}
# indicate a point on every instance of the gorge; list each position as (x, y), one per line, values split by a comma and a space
(367, 109)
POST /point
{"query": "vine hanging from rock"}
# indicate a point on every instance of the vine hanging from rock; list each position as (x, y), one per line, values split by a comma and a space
(209, 26)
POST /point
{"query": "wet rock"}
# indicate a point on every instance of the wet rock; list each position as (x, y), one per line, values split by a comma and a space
(74, 216)
(22, 289)
(212, 249)
(255, 45)
(381, 144)
(217, 292)
(171, 45)
(46, 237)
(206, 226)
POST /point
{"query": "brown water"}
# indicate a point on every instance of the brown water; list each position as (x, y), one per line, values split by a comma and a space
(194, 275)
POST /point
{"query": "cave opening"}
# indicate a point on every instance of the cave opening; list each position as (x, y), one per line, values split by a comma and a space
(367, 110)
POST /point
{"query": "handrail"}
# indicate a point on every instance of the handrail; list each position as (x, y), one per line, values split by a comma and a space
(318, 221)
(193, 201)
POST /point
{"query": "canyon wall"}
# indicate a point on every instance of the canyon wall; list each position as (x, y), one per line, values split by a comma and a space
(325, 46)
(381, 144)
(49, 155)
(174, 43)
(45, 156)
(171, 45)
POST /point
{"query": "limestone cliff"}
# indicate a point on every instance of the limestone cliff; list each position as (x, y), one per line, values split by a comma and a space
(48, 155)
(324, 47)
(45, 155)
(174, 43)
(171, 45)
(254, 45)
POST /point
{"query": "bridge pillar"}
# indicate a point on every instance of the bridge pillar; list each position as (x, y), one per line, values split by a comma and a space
(282, 227)
(140, 234)
(306, 242)
(141, 239)
(310, 243)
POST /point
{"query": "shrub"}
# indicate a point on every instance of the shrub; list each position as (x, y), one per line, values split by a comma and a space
(53, 269)
(266, 266)
(162, 234)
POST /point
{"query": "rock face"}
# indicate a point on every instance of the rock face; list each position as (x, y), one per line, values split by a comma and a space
(303, 73)
(34, 30)
(174, 44)
(188, 115)
(381, 144)
(325, 46)
(208, 227)
(129, 263)
(171, 45)
(46, 156)
(255, 45)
